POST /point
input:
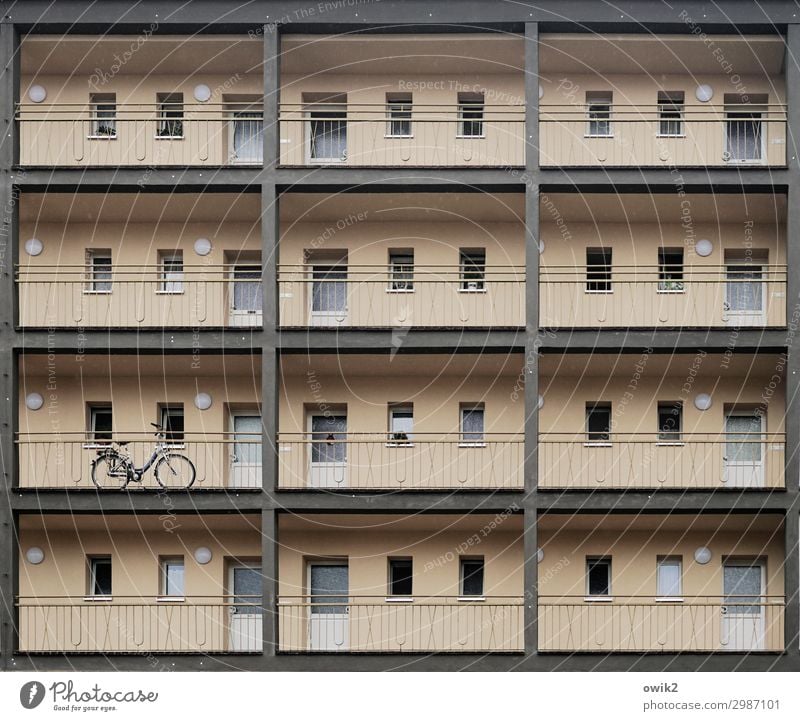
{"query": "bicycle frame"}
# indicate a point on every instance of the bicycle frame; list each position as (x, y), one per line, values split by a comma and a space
(132, 473)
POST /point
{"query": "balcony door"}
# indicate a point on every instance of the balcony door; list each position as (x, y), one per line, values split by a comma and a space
(329, 626)
(246, 296)
(744, 449)
(743, 586)
(329, 292)
(745, 289)
(328, 451)
(246, 630)
(247, 137)
(326, 127)
(744, 129)
(246, 458)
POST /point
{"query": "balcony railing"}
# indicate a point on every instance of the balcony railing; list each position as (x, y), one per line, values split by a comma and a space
(374, 297)
(421, 461)
(67, 134)
(648, 135)
(69, 296)
(133, 624)
(641, 624)
(64, 460)
(671, 460)
(649, 297)
(367, 624)
(434, 136)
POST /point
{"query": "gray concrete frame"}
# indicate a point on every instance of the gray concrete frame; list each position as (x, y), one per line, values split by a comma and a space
(270, 20)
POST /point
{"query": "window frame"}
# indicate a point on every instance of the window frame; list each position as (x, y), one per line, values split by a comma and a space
(599, 274)
(673, 437)
(175, 439)
(393, 563)
(164, 564)
(599, 99)
(93, 409)
(472, 261)
(471, 103)
(396, 268)
(393, 441)
(464, 561)
(591, 562)
(671, 101)
(590, 442)
(91, 578)
(667, 269)
(463, 410)
(660, 562)
(399, 103)
(164, 282)
(103, 103)
(166, 120)
(93, 267)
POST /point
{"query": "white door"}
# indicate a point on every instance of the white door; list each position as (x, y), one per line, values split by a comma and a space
(246, 295)
(246, 458)
(745, 294)
(329, 628)
(328, 451)
(246, 630)
(744, 137)
(326, 134)
(329, 295)
(743, 625)
(743, 464)
(247, 138)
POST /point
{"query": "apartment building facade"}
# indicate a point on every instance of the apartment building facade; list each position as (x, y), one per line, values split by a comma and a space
(376, 336)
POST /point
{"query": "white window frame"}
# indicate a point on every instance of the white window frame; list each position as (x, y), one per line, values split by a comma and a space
(103, 103)
(465, 408)
(661, 562)
(92, 256)
(467, 104)
(166, 284)
(164, 564)
(395, 267)
(167, 103)
(600, 97)
(408, 442)
(599, 598)
(398, 104)
(462, 561)
(390, 597)
(91, 595)
(669, 103)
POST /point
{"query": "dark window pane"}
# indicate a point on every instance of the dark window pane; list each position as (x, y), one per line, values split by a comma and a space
(472, 578)
(599, 577)
(598, 269)
(400, 575)
(101, 576)
(669, 421)
(598, 423)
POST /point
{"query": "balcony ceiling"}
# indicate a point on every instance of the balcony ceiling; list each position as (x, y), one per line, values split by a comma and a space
(660, 55)
(118, 366)
(139, 207)
(207, 524)
(424, 55)
(168, 55)
(664, 208)
(399, 523)
(715, 522)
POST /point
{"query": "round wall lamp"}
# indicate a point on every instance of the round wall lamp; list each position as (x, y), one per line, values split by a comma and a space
(540, 555)
(541, 247)
(202, 246)
(33, 246)
(34, 401)
(702, 555)
(541, 92)
(37, 93)
(203, 401)
(541, 402)
(34, 555)
(704, 93)
(702, 401)
(203, 555)
(202, 93)
(704, 248)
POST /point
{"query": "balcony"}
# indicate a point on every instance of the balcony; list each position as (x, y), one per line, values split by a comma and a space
(377, 625)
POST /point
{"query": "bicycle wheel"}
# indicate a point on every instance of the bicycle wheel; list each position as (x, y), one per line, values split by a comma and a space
(108, 471)
(175, 471)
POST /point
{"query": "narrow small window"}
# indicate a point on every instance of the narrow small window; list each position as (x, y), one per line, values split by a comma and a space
(598, 422)
(472, 423)
(670, 420)
(401, 573)
(470, 115)
(471, 577)
(170, 115)
(401, 270)
(172, 576)
(472, 269)
(171, 271)
(598, 576)
(670, 113)
(104, 115)
(99, 581)
(100, 422)
(401, 423)
(668, 577)
(670, 270)
(398, 115)
(598, 113)
(98, 270)
(598, 270)
(171, 422)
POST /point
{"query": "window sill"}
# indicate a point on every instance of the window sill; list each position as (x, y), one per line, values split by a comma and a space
(168, 137)
(470, 137)
(670, 443)
(170, 599)
(598, 599)
(598, 292)
(401, 444)
(598, 444)
(670, 135)
(169, 292)
(469, 599)
(472, 290)
(101, 137)
(668, 599)
(607, 137)
(399, 599)
(398, 137)
(97, 292)
(670, 292)
(468, 444)
(399, 290)
(98, 599)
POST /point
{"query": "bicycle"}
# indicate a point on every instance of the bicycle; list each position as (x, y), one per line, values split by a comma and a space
(172, 470)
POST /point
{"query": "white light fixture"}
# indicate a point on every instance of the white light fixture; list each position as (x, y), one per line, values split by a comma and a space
(541, 401)
(541, 92)
(704, 93)
(33, 246)
(34, 555)
(704, 248)
(202, 401)
(37, 93)
(702, 555)
(702, 401)
(541, 247)
(540, 555)
(202, 246)
(34, 401)
(202, 93)
(202, 555)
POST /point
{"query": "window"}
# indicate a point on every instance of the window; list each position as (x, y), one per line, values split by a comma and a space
(744, 284)
(472, 269)
(171, 271)
(472, 423)
(744, 132)
(98, 270)
(401, 270)
(401, 423)
(170, 115)
(668, 577)
(100, 422)
(598, 113)
(104, 115)
(327, 127)
(400, 576)
(99, 582)
(670, 420)
(246, 130)
(598, 422)
(670, 113)
(598, 270)
(171, 576)
(172, 422)
(398, 115)
(598, 576)
(470, 115)
(670, 270)
(471, 577)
